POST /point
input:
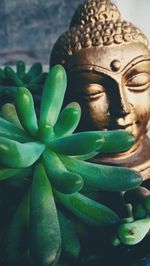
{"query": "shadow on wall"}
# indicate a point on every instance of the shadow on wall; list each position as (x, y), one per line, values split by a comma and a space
(29, 28)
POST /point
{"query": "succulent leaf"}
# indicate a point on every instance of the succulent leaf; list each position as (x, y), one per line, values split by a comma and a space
(88, 210)
(134, 232)
(16, 245)
(26, 112)
(19, 155)
(77, 144)
(21, 69)
(53, 94)
(44, 227)
(103, 177)
(44, 142)
(11, 131)
(60, 177)
(68, 120)
(8, 112)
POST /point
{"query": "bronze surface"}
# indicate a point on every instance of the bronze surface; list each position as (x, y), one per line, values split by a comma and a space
(107, 60)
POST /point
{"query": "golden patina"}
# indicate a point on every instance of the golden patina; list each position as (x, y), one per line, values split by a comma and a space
(107, 60)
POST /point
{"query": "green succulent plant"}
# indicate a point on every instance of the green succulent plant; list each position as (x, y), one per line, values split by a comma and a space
(133, 230)
(11, 80)
(45, 151)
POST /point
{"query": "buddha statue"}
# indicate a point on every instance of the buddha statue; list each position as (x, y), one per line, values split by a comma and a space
(107, 60)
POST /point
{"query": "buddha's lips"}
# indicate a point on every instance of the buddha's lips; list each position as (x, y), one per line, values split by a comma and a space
(126, 126)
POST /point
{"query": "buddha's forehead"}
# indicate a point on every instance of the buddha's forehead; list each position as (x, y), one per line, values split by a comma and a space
(103, 57)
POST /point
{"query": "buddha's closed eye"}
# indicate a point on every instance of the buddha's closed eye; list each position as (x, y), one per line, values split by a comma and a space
(139, 82)
(93, 91)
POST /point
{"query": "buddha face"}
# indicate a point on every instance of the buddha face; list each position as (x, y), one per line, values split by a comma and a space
(112, 85)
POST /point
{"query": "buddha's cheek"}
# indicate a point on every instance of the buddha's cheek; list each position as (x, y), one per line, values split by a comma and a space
(96, 111)
(141, 112)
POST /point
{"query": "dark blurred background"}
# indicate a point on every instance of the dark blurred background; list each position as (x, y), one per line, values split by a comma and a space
(29, 28)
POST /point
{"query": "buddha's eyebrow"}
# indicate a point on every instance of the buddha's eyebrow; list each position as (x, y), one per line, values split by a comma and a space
(90, 75)
(137, 61)
(142, 66)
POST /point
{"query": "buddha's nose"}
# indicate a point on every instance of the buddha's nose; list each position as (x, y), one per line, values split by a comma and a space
(125, 106)
(118, 99)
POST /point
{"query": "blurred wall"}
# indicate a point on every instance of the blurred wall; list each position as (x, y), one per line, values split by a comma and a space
(29, 28)
(136, 11)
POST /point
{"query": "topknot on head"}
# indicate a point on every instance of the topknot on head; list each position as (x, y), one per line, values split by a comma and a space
(93, 11)
(96, 23)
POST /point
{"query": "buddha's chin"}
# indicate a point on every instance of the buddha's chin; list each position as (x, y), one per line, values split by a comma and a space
(138, 134)
(136, 130)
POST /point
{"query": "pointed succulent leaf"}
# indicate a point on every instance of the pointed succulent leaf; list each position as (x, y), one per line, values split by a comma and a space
(25, 110)
(88, 210)
(70, 239)
(44, 227)
(8, 112)
(35, 70)
(134, 232)
(10, 73)
(7, 173)
(85, 157)
(21, 69)
(16, 245)
(77, 144)
(39, 80)
(102, 177)
(68, 120)
(53, 94)
(116, 141)
(60, 177)
(19, 155)
(11, 131)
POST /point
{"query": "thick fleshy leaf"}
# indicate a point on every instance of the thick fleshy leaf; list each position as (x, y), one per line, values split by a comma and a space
(10, 73)
(16, 242)
(25, 110)
(11, 131)
(88, 210)
(103, 177)
(59, 176)
(21, 69)
(8, 112)
(14, 154)
(79, 143)
(70, 240)
(26, 79)
(139, 211)
(134, 232)
(44, 227)
(35, 70)
(116, 141)
(45, 132)
(68, 120)
(53, 94)
(39, 80)
(6, 173)
(85, 157)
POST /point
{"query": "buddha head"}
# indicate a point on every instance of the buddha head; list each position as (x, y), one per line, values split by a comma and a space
(107, 60)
